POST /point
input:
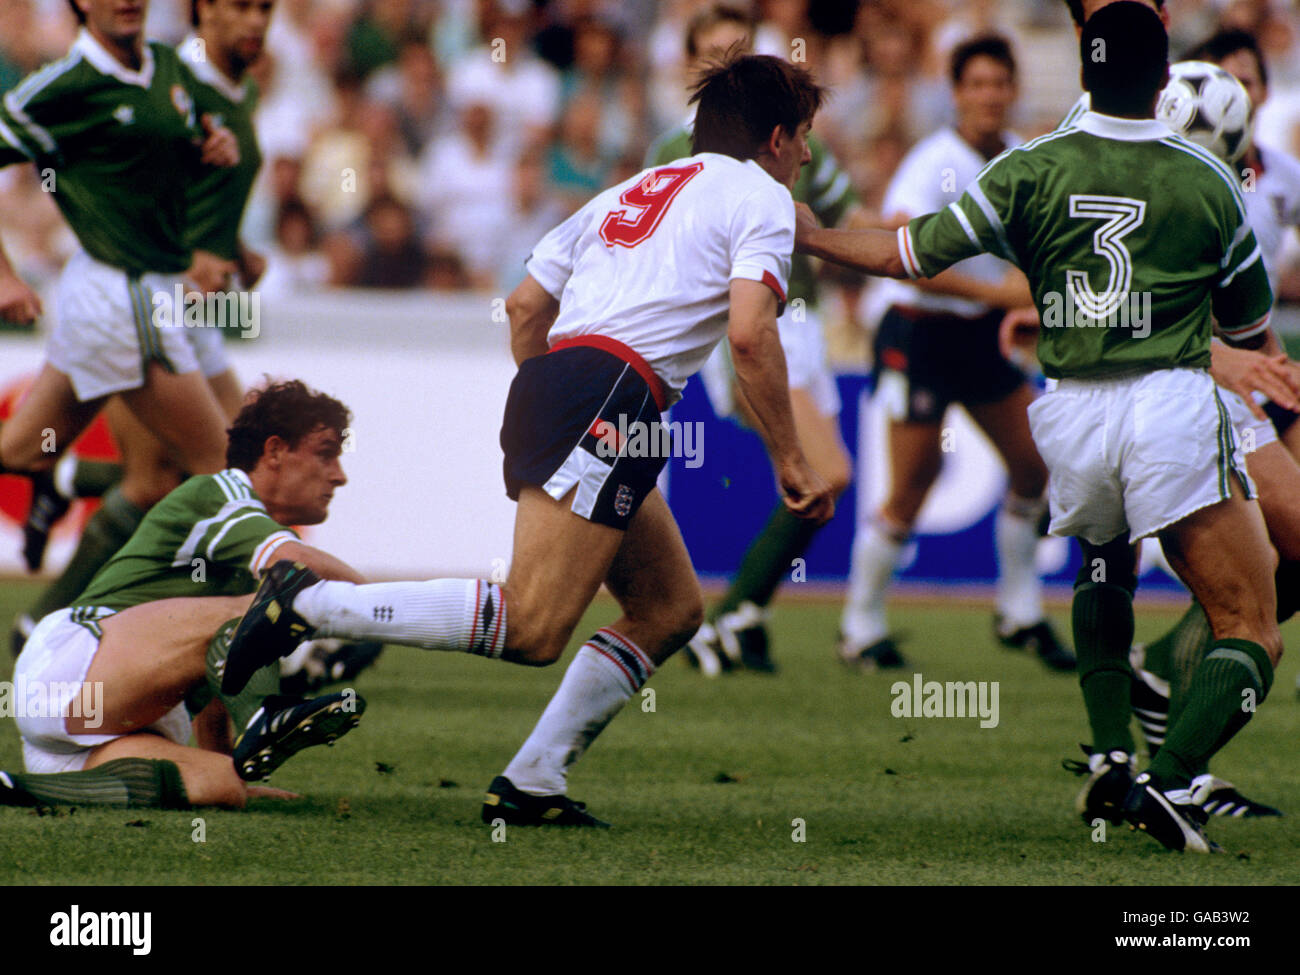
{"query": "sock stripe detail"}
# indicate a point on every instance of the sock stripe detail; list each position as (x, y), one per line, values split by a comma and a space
(487, 635)
(1241, 658)
(478, 604)
(646, 665)
(623, 654)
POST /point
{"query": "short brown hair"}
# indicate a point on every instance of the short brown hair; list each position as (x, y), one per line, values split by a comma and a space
(289, 410)
(742, 99)
(712, 16)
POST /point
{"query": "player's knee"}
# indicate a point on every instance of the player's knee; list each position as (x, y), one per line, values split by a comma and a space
(18, 456)
(688, 618)
(839, 475)
(223, 789)
(536, 646)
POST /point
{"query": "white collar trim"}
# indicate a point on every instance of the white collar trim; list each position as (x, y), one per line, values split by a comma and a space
(207, 72)
(102, 61)
(1123, 129)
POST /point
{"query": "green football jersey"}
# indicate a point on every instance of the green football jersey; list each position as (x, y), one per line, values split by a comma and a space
(209, 537)
(1133, 239)
(119, 145)
(215, 200)
(822, 184)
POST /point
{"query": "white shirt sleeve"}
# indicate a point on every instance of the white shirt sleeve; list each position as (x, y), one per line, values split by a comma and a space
(912, 191)
(762, 238)
(551, 262)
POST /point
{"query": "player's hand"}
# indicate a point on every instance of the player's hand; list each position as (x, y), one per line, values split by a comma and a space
(805, 221)
(805, 492)
(270, 792)
(1018, 332)
(1245, 373)
(19, 304)
(220, 148)
(210, 273)
(252, 266)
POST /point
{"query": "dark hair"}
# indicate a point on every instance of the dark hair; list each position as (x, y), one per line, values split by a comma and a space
(288, 410)
(1125, 53)
(712, 16)
(1226, 43)
(741, 100)
(1076, 9)
(194, 13)
(81, 18)
(987, 46)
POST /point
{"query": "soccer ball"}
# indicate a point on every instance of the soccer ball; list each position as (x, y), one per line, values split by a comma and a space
(1208, 106)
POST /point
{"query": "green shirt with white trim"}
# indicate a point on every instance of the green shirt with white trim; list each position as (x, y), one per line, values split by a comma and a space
(215, 199)
(1134, 241)
(209, 537)
(120, 145)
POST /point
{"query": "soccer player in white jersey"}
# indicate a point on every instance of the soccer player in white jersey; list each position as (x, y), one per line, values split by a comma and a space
(937, 345)
(622, 303)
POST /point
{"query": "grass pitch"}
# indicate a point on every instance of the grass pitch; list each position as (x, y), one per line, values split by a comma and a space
(711, 782)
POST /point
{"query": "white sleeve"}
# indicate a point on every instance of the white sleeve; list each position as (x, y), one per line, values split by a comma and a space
(551, 261)
(912, 190)
(762, 238)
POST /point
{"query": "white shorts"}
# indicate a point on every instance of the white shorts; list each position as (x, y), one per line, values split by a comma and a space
(806, 361)
(49, 674)
(104, 331)
(1251, 432)
(1136, 453)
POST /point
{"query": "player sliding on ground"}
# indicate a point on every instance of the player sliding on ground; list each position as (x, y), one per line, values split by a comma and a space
(622, 304)
(141, 651)
(1134, 434)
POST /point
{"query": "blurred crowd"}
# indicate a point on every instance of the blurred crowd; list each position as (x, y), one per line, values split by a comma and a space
(430, 143)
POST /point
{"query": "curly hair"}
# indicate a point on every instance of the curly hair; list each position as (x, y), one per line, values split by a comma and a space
(289, 410)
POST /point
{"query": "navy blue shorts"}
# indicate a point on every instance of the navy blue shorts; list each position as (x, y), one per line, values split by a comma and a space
(586, 416)
(945, 359)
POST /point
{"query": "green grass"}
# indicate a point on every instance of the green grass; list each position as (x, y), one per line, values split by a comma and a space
(702, 790)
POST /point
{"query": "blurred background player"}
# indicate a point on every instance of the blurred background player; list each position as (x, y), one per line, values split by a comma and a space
(229, 38)
(618, 348)
(734, 633)
(153, 629)
(936, 346)
(124, 195)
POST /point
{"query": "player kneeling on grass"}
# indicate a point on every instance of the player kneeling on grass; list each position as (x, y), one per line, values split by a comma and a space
(142, 651)
(623, 302)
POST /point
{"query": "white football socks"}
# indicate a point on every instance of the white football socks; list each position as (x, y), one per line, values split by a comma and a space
(1020, 591)
(605, 674)
(468, 615)
(876, 554)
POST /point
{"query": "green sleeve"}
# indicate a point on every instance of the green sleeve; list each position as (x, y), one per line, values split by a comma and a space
(1243, 299)
(829, 190)
(983, 221)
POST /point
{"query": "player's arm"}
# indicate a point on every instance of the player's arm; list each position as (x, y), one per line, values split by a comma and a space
(19, 304)
(1246, 372)
(870, 251)
(22, 139)
(764, 384)
(531, 310)
(1242, 299)
(322, 563)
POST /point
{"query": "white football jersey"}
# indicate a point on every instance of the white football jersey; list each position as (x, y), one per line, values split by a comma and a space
(934, 174)
(649, 262)
(1273, 205)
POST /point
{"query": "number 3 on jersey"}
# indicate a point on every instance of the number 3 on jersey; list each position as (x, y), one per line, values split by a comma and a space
(645, 205)
(1122, 216)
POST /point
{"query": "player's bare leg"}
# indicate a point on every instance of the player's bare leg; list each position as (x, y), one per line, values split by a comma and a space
(208, 778)
(915, 461)
(139, 688)
(181, 410)
(228, 391)
(1020, 621)
(46, 422)
(656, 586)
(1277, 475)
(149, 473)
(1223, 555)
(735, 632)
